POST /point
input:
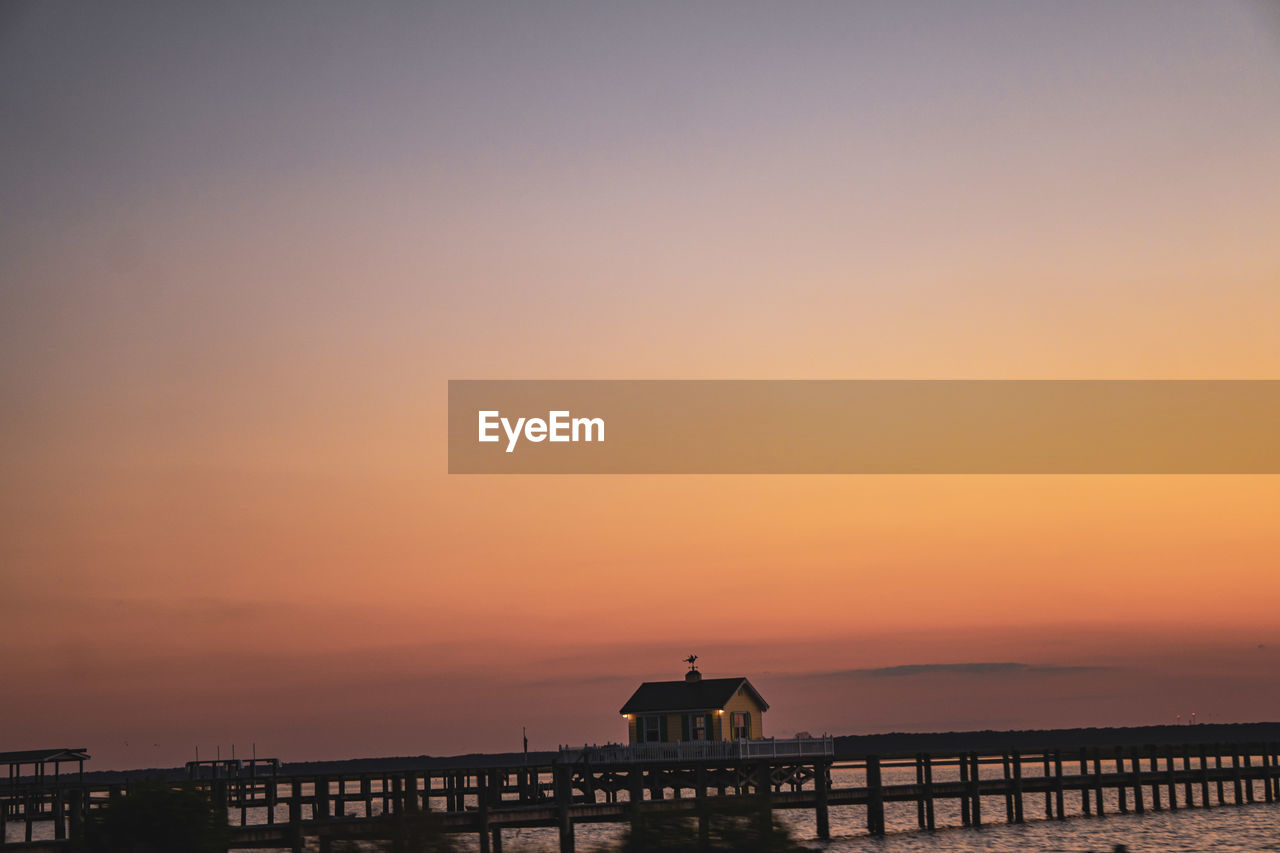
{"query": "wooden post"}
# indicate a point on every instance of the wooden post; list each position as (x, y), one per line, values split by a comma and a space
(1059, 795)
(497, 839)
(920, 790)
(1155, 779)
(1017, 786)
(1048, 794)
(322, 810)
(588, 780)
(1204, 778)
(1171, 778)
(975, 782)
(220, 795)
(410, 791)
(1122, 793)
(1217, 768)
(1008, 788)
(59, 815)
(764, 779)
(821, 771)
(1275, 781)
(78, 805)
(1274, 751)
(875, 797)
(1235, 774)
(764, 791)
(1266, 776)
(482, 807)
(1097, 782)
(295, 815)
(928, 791)
(564, 793)
(1188, 797)
(1136, 762)
(965, 818)
(1084, 785)
(635, 780)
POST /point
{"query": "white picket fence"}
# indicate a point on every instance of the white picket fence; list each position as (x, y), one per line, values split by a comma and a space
(614, 753)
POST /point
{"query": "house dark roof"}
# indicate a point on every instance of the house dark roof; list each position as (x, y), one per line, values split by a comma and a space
(709, 694)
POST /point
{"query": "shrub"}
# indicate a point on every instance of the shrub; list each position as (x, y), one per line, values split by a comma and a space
(739, 823)
(156, 818)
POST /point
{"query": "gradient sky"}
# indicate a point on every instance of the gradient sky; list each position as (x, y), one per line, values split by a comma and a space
(243, 247)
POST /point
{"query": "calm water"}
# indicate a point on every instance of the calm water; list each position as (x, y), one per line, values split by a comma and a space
(1229, 829)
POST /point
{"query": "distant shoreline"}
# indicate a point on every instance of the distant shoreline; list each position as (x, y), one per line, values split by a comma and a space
(898, 743)
(846, 747)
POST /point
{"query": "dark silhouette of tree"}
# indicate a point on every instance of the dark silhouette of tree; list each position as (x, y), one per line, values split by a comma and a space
(742, 824)
(415, 832)
(155, 818)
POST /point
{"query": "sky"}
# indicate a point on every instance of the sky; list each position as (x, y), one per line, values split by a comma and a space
(243, 248)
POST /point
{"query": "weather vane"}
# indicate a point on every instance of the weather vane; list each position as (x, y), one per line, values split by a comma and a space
(691, 660)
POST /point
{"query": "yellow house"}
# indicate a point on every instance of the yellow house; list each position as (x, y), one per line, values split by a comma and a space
(695, 709)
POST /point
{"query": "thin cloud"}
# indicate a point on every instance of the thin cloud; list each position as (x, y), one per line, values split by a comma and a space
(967, 668)
(978, 668)
(580, 681)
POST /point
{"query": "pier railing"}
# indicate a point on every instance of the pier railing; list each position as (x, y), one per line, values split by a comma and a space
(731, 750)
(286, 811)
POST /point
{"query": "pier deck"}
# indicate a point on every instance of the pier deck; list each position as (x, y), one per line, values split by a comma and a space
(580, 786)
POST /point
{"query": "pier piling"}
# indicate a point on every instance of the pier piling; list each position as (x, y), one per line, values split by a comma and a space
(489, 800)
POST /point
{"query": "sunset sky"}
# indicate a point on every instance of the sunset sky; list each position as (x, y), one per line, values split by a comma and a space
(244, 246)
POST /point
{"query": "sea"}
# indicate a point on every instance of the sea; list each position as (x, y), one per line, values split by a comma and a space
(1249, 828)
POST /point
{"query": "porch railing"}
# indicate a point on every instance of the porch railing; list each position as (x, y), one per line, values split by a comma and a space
(614, 753)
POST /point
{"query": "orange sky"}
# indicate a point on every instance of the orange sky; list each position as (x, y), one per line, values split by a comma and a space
(245, 249)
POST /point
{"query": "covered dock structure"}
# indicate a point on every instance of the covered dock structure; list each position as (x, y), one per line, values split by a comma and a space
(39, 761)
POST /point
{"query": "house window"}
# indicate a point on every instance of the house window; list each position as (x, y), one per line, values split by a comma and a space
(738, 722)
(697, 727)
(651, 729)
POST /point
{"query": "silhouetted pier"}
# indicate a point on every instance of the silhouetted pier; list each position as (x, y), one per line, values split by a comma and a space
(594, 785)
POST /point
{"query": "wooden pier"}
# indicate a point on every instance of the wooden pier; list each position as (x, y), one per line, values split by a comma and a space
(285, 811)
